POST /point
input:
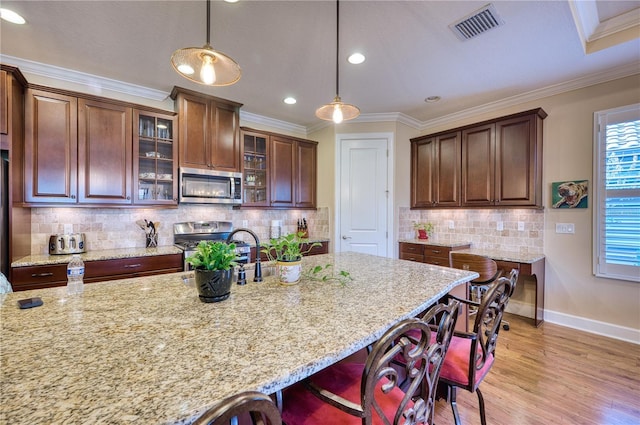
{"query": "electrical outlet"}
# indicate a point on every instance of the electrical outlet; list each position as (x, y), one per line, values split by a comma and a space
(451, 224)
(499, 226)
(565, 228)
(521, 226)
(245, 223)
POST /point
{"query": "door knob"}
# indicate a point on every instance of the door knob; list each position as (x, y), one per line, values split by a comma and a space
(346, 237)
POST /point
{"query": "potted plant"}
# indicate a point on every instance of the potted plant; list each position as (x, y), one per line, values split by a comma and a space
(286, 252)
(213, 263)
(424, 229)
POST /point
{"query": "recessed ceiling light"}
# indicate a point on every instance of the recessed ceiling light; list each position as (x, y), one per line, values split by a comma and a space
(11, 16)
(231, 1)
(432, 99)
(356, 58)
(290, 100)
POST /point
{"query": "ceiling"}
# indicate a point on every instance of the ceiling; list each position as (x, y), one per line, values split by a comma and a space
(287, 48)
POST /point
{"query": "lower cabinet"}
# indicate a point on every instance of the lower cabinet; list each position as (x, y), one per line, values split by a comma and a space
(37, 277)
(323, 248)
(424, 253)
(439, 255)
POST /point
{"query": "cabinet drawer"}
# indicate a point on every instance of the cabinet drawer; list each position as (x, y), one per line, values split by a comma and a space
(104, 269)
(437, 252)
(36, 277)
(412, 257)
(411, 248)
(436, 261)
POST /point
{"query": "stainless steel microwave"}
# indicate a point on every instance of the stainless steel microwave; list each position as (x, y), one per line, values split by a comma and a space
(199, 186)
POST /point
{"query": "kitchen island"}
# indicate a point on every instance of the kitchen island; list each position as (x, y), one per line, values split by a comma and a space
(146, 350)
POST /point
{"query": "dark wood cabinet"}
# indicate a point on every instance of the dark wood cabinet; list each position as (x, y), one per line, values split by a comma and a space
(51, 148)
(209, 131)
(79, 151)
(306, 174)
(288, 165)
(255, 168)
(283, 172)
(496, 163)
(435, 171)
(323, 248)
(155, 162)
(46, 276)
(425, 253)
(104, 153)
(502, 162)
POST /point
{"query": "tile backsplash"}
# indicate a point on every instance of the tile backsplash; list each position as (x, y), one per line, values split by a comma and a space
(112, 228)
(480, 227)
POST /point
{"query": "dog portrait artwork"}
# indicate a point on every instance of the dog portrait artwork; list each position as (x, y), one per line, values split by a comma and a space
(570, 194)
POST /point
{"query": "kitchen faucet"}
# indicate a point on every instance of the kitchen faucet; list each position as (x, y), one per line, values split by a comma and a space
(257, 277)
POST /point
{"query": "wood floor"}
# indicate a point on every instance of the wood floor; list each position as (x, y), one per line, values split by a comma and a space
(555, 375)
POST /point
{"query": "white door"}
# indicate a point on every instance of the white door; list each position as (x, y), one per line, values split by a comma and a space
(363, 196)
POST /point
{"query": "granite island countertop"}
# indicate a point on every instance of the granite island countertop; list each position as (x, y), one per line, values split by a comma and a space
(147, 351)
(95, 255)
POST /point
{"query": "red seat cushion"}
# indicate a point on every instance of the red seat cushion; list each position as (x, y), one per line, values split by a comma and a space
(456, 363)
(301, 407)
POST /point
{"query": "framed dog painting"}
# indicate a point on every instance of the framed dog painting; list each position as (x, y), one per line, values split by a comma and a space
(571, 194)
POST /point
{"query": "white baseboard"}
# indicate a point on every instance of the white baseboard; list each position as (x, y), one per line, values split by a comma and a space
(593, 326)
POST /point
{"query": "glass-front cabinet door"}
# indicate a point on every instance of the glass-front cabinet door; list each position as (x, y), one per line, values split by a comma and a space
(155, 159)
(255, 169)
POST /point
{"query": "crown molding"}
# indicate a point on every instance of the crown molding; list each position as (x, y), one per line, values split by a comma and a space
(274, 123)
(87, 80)
(567, 86)
(93, 81)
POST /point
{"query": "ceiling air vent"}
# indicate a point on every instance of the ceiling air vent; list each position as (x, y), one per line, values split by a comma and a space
(480, 21)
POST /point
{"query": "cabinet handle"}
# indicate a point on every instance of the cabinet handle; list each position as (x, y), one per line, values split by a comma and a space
(73, 196)
(128, 198)
(41, 274)
(436, 251)
(132, 266)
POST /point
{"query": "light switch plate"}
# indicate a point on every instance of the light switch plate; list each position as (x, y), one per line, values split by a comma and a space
(521, 226)
(245, 223)
(565, 228)
(451, 224)
(499, 226)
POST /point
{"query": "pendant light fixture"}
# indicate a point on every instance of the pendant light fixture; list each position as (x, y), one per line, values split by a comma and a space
(204, 65)
(337, 111)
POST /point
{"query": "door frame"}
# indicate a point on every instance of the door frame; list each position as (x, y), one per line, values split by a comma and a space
(390, 137)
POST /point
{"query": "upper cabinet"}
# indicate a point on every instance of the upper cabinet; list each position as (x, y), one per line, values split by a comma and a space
(435, 171)
(278, 171)
(255, 168)
(12, 85)
(104, 152)
(80, 151)
(51, 148)
(209, 131)
(502, 162)
(496, 163)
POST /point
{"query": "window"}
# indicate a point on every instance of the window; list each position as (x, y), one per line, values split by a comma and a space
(616, 217)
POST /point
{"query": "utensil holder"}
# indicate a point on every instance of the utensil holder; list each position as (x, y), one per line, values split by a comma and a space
(152, 240)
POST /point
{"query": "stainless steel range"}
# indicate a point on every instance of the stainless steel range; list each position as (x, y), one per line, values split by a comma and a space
(188, 235)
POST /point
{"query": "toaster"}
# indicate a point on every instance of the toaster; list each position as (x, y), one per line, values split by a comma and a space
(71, 243)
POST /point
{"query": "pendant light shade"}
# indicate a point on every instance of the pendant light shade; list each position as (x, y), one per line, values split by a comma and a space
(204, 65)
(337, 111)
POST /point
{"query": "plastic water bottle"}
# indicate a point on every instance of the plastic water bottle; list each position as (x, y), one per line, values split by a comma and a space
(75, 276)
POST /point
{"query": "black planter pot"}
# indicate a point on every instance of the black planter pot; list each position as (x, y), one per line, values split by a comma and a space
(213, 285)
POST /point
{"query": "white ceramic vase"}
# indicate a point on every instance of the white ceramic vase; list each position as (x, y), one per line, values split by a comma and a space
(289, 272)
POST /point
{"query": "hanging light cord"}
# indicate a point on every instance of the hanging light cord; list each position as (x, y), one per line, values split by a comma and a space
(208, 22)
(337, 47)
